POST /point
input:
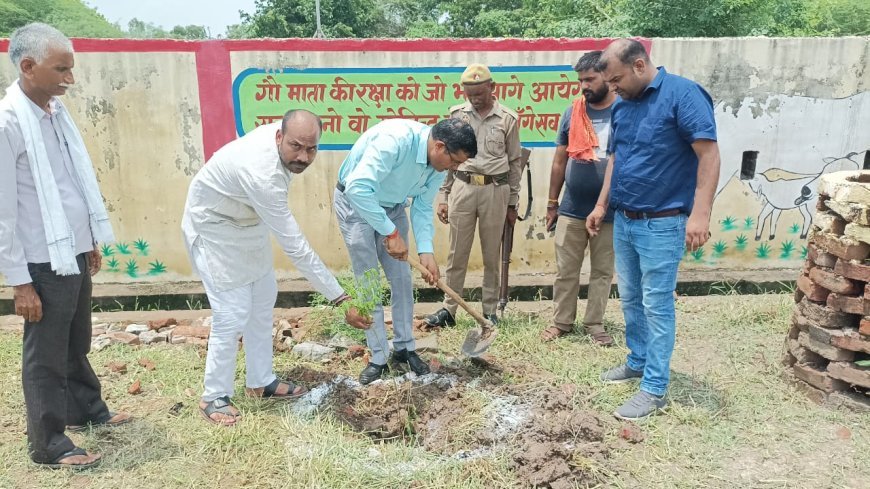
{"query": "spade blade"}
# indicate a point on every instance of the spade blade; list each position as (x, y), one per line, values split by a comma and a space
(477, 341)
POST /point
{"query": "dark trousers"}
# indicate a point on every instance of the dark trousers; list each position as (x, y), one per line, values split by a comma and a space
(60, 387)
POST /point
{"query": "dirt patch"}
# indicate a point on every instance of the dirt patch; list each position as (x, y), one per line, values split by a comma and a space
(443, 427)
(560, 445)
(386, 410)
(309, 376)
(466, 411)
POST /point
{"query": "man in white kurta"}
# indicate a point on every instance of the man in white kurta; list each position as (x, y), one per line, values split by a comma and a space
(233, 203)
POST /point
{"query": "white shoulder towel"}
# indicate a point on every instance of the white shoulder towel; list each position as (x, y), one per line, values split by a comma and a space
(58, 233)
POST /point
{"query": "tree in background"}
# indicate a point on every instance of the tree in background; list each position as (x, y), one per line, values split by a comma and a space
(138, 29)
(557, 18)
(480, 18)
(75, 19)
(296, 18)
(71, 17)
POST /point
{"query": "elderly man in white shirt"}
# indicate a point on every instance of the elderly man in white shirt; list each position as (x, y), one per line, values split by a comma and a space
(51, 217)
(233, 203)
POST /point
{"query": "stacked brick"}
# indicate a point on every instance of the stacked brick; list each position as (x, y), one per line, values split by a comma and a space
(829, 339)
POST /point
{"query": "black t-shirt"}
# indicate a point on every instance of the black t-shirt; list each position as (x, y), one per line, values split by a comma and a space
(583, 180)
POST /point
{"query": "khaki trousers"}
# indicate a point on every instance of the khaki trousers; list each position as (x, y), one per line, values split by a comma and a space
(484, 206)
(571, 242)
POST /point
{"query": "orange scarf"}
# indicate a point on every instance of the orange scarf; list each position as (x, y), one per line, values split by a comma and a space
(582, 139)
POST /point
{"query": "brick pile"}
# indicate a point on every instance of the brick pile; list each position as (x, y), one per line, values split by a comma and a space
(829, 339)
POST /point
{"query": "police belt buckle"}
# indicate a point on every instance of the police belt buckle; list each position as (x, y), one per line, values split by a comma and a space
(479, 180)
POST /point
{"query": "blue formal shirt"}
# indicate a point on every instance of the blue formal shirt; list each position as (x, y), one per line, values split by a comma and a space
(388, 165)
(655, 168)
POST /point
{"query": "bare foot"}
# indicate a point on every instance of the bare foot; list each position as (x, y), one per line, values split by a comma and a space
(86, 459)
(119, 418)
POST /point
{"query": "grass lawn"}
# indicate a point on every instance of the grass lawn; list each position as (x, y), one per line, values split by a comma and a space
(732, 421)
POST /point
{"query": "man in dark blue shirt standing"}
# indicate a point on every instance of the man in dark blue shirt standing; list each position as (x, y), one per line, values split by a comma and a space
(660, 181)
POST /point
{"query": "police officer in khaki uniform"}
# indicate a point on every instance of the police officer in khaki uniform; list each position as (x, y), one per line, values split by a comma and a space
(483, 192)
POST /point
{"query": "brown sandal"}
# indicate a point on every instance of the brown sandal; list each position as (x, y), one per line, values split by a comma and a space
(552, 333)
(599, 335)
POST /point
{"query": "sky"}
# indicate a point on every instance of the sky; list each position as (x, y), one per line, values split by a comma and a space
(215, 15)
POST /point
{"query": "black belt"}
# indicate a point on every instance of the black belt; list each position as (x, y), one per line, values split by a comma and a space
(340, 187)
(649, 215)
(478, 179)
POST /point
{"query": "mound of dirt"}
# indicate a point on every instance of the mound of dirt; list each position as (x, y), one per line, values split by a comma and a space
(386, 410)
(560, 446)
(309, 376)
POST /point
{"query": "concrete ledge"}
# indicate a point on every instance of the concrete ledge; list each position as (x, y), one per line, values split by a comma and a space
(527, 287)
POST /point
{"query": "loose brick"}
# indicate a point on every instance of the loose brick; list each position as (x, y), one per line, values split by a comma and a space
(123, 337)
(845, 187)
(851, 373)
(867, 291)
(844, 247)
(853, 270)
(834, 282)
(864, 326)
(820, 258)
(818, 378)
(816, 395)
(850, 401)
(826, 317)
(847, 304)
(830, 352)
(856, 213)
(158, 324)
(191, 331)
(828, 222)
(811, 290)
(850, 340)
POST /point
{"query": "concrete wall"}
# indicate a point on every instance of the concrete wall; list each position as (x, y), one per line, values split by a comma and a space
(153, 111)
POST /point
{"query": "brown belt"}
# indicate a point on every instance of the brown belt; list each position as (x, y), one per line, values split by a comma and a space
(478, 179)
(649, 215)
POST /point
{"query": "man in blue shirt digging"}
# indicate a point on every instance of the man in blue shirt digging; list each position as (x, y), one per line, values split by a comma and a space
(660, 181)
(391, 163)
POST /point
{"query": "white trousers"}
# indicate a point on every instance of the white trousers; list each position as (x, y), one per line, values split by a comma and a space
(245, 311)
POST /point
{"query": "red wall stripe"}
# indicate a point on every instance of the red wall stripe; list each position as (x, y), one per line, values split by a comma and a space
(214, 75)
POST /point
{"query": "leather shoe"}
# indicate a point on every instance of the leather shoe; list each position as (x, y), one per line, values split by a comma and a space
(441, 319)
(371, 373)
(492, 318)
(417, 364)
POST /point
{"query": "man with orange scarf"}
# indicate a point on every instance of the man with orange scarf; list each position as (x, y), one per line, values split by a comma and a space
(579, 165)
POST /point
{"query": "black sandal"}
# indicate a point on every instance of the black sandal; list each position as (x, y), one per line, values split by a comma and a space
(269, 391)
(56, 464)
(221, 405)
(108, 423)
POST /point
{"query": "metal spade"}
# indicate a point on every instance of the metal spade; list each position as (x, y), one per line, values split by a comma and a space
(478, 340)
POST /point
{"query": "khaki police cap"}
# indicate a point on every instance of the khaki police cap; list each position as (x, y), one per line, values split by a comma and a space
(475, 73)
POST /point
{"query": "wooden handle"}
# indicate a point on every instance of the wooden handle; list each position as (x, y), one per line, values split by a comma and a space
(453, 295)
